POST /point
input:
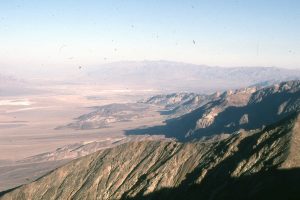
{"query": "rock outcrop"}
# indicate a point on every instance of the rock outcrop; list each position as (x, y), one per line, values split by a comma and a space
(178, 104)
(106, 115)
(247, 109)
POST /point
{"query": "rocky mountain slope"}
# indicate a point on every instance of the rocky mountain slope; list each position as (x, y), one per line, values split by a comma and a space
(191, 115)
(248, 108)
(170, 105)
(178, 104)
(24, 171)
(250, 165)
(80, 149)
(170, 101)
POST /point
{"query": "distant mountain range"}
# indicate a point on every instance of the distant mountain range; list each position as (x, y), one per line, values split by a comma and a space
(174, 76)
(162, 76)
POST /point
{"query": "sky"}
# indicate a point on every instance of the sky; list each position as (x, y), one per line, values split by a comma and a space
(38, 34)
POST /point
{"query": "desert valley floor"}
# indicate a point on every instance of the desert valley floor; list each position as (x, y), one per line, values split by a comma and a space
(29, 127)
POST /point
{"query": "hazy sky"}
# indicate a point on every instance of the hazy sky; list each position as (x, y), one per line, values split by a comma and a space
(61, 33)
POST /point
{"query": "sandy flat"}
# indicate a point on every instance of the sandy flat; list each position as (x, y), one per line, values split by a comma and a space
(27, 126)
(27, 123)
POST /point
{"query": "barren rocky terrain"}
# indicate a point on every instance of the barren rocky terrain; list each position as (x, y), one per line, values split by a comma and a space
(231, 111)
(149, 127)
(245, 163)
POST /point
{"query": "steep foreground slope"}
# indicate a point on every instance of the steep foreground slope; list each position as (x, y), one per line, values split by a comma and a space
(248, 165)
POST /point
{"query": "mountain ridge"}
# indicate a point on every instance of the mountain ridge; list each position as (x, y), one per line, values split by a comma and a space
(247, 108)
(175, 76)
(140, 169)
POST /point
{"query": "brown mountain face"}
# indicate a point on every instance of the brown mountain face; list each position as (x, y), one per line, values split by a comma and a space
(232, 111)
(105, 116)
(258, 164)
(178, 104)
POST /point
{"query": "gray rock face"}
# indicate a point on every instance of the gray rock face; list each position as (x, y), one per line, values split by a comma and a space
(171, 170)
(248, 108)
(244, 119)
(178, 104)
(170, 101)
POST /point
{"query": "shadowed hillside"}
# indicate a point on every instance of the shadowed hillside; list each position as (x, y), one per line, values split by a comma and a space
(249, 162)
(272, 184)
(243, 109)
